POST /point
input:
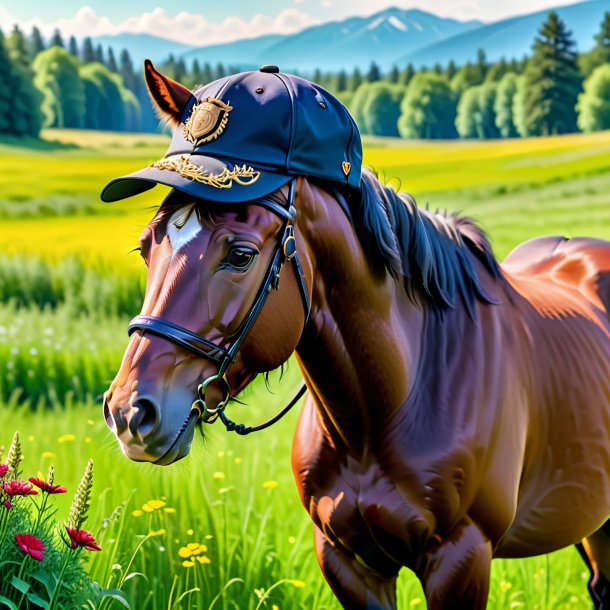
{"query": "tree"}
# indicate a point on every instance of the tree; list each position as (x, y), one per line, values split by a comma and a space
(127, 72)
(56, 39)
(374, 74)
(481, 66)
(451, 70)
(394, 75)
(6, 95)
(219, 71)
(358, 102)
(73, 47)
(507, 89)
(355, 80)
(467, 76)
(428, 109)
(208, 74)
(98, 55)
(552, 81)
(88, 51)
(467, 110)
(36, 42)
(594, 103)
(18, 48)
(180, 71)
(382, 109)
(57, 78)
(496, 71)
(196, 73)
(407, 74)
(342, 81)
(111, 61)
(600, 54)
(519, 118)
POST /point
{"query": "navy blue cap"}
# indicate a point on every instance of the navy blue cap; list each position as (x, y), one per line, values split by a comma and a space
(244, 136)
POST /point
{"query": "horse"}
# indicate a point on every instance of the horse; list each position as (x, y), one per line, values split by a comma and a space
(458, 409)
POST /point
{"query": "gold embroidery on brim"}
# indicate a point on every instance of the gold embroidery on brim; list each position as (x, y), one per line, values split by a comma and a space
(207, 121)
(243, 175)
(346, 167)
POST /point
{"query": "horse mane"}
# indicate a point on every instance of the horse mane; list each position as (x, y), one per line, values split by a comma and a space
(435, 252)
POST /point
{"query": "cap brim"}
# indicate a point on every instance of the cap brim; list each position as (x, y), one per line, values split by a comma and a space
(203, 177)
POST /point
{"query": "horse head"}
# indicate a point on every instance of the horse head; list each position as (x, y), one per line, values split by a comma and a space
(215, 312)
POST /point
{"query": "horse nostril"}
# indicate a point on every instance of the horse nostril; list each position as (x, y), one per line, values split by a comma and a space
(107, 415)
(145, 418)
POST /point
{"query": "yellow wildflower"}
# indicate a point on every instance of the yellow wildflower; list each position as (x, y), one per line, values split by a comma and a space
(291, 539)
(416, 601)
(66, 438)
(505, 586)
(237, 460)
(31, 438)
(270, 484)
(189, 532)
(153, 533)
(574, 599)
(152, 505)
(220, 454)
(48, 455)
(188, 564)
(275, 607)
(87, 439)
(167, 509)
(137, 513)
(296, 583)
(218, 475)
(203, 559)
(91, 422)
(184, 552)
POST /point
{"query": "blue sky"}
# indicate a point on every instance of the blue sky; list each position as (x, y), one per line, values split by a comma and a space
(218, 21)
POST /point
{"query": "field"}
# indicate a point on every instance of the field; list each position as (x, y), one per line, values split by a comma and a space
(68, 285)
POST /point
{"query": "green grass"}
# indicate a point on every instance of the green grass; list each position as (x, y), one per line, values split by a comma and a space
(68, 286)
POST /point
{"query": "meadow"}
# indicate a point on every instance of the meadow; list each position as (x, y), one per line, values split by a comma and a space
(68, 285)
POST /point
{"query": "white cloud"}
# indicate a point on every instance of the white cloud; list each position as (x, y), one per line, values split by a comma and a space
(184, 27)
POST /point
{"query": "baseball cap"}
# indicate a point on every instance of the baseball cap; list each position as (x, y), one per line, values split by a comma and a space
(244, 136)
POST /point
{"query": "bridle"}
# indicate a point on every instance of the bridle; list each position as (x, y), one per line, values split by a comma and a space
(284, 251)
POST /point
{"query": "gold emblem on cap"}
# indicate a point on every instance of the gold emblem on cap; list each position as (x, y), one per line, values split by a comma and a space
(207, 121)
(243, 175)
(346, 167)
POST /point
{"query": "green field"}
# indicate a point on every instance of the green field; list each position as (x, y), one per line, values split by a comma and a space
(68, 286)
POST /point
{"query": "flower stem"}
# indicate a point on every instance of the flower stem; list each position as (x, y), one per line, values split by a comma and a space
(64, 565)
(41, 510)
(21, 571)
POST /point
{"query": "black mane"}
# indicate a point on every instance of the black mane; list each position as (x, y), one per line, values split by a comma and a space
(435, 252)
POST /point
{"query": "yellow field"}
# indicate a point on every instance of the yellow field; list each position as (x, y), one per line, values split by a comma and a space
(517, 188)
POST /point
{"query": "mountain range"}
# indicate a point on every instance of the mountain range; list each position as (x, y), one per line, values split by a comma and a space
(390, 37)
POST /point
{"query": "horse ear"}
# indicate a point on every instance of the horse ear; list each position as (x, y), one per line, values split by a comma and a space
(169, 97)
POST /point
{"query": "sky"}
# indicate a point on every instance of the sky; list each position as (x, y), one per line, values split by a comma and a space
(206, 22)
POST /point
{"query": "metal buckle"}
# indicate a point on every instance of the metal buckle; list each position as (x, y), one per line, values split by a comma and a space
(290, 245)
(208, 415)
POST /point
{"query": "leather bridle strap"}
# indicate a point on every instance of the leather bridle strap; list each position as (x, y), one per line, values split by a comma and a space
(285, 251)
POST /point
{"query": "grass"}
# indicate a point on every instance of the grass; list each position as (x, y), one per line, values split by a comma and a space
(68, 286)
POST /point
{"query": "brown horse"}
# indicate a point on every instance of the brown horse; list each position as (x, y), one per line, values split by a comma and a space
(458, 410)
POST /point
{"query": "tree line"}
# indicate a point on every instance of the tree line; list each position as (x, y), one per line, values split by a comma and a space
(555, 90)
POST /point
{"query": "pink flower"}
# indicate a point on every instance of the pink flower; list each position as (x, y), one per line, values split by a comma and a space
(18, 488)
(47, 487)
(8, 504)
(83, 539)
(3, 469)
(30, 545)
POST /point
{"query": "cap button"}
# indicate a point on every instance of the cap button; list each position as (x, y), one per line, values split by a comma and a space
(269, 68)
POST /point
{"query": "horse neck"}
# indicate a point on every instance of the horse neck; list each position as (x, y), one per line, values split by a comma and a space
(358, 353)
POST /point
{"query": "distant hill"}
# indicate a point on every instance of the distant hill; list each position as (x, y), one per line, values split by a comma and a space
(511, 38)
(142, 46)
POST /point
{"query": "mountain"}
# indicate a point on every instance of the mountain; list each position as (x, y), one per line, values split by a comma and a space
(511, 38)
(356, 41)
(142, 46)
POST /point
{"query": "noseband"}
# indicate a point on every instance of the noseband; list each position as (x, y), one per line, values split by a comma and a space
(285, 251)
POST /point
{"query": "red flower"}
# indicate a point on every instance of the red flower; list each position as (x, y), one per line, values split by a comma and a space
(18, 488)
(30, 545)
(8, 504)
(50, 489)
(83, 539)
(3, 469)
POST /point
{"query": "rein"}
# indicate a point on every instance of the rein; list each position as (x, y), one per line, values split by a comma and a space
(285, 251)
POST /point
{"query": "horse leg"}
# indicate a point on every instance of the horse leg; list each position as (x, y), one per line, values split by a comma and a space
(455, 574)
(595, 551)
(355, 586)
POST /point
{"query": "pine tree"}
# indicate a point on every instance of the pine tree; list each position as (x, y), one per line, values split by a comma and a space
(374, 74)
(57, 40)
(17, 47)
(552, 81)
(219, 72)
(407, 74)
(451, 70)
(5, 92)
(482, 66)
(127, 72)
(438, 69)
(99, 54)
(394, 75)
(88, 51)
(36, 42)
(180, 71)
(111, 61)
(342, 81)
(196, 74)
(208, 74)
(600, 54)
(355, 80)
(73, 46)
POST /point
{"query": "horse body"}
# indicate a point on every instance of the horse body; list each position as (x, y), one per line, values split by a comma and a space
(437, 442)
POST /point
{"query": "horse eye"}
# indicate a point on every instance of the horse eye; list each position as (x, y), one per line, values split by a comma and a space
(240, 258)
